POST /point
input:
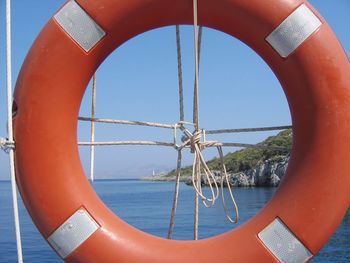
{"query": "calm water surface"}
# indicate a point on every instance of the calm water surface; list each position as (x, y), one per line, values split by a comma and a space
(146, 205)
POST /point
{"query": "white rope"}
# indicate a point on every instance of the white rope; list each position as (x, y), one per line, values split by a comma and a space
(196, 165)
(181, 123)
(224, 176)
(196, 62)
(110, 143)
(170, 126)
(197, 146)
(256, 146)
(92, 135)
(198, 162)
(273, 128)
(176, 194)
(126, 122)
(176, 126)
(173, 144)
(196, 80)
(179, 72)
(197, 183)
(10, 130)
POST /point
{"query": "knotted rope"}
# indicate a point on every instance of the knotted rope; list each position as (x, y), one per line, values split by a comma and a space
(194, 141)
(197, 143)
(6, 145)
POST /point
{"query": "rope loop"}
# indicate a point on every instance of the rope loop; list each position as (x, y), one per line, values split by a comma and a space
(224, 176)
(197, 142)
(197, 145)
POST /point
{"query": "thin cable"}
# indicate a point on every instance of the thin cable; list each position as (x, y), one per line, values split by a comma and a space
(10, 130)
(273, 128)
(92, 138)
(126, 122)
(179, 69)
(180, 124)
(170, 144)
(195, 119)
(196, 61)
(197, 183)
(195, 95)
(197, 169)
(256, 146)
(110, 143)
(224, 176)
(176, 194)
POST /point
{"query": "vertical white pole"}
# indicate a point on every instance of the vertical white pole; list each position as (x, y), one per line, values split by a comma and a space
(92, 138)
(196, 117)
(10, 129)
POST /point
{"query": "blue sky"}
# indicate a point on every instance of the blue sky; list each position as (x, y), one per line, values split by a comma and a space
(139, 82)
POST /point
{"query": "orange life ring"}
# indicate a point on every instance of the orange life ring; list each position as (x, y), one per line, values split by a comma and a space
(290, 36)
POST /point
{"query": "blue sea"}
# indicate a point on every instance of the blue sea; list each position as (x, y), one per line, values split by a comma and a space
(146, 205)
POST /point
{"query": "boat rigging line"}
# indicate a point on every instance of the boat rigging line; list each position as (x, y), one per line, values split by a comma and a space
(9, 143)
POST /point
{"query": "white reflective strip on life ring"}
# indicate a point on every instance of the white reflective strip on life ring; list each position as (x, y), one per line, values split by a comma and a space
(79, 26)
(73, 232)
(294, 30)
(283, 244)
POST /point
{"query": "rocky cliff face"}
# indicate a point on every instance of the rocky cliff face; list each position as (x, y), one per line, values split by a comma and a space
(267, 173)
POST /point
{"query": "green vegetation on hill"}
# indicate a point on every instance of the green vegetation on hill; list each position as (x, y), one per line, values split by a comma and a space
(275, 148)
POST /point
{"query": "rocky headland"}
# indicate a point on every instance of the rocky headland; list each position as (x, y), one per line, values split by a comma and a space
(250, 167)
